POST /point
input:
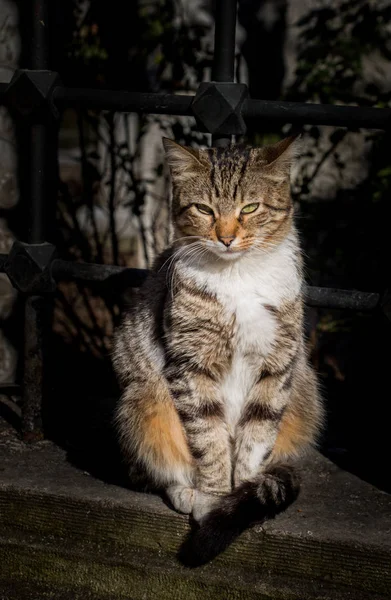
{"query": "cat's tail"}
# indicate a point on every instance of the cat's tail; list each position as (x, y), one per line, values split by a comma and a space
(252, 502)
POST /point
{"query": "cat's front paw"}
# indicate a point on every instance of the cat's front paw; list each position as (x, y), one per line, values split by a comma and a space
(182, 498)
(188, 501)
(203, 504)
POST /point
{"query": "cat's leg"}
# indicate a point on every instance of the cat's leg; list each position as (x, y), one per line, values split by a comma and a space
(258, 427)
(281, 420)
(202, 415)
(259, 423)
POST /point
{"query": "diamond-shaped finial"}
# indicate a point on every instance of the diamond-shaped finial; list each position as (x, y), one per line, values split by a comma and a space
(28, 267)
(217, 108)
(30, 92)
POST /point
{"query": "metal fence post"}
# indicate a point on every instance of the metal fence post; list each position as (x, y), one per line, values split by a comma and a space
(36, 313)
(223, 69)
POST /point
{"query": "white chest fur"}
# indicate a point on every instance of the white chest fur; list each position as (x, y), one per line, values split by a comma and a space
(244, 288)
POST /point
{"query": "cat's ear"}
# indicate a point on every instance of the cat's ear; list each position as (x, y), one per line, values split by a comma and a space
(184, 162)
(278, 158)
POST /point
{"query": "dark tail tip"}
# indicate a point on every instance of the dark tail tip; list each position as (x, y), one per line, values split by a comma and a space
(201, 545)
(252, 502)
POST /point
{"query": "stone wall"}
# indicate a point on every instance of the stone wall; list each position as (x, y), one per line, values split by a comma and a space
(9, 55)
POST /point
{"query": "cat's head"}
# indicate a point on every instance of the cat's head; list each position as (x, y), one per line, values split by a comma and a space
(233, 199)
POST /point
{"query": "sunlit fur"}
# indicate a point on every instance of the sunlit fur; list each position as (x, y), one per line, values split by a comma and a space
(218, 393)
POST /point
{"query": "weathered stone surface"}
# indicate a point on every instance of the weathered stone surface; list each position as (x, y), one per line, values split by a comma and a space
(9, 56)
(9, 192)
(8, 355)
(65, 534)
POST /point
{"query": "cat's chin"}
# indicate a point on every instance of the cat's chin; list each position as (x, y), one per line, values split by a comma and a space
(226, 254)
(229, 255)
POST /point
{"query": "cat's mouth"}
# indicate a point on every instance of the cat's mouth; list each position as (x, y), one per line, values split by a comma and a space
(228, 253)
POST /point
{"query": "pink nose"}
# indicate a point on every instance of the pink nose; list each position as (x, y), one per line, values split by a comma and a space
(227, 239)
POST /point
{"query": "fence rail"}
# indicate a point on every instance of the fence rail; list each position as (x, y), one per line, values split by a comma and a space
(113, 278)
(221, 107)
(297, 113)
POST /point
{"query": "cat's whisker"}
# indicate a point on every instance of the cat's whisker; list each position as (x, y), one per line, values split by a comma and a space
(172, 261)
(261, 244)
(188, 250)
(166, 261)
(182, 253)
(201, 254)
(175, 254)
(187, 237)
(266, 250)
(198, 252)
(194, 252)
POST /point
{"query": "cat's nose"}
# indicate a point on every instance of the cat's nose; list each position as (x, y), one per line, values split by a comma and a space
(227, 239)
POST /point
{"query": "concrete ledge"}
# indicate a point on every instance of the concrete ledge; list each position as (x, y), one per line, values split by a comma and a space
(65, 534)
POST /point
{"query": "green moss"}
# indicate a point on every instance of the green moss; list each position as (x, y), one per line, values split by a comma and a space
(81, 578)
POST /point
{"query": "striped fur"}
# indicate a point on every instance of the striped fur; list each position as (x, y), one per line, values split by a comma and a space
(217, 391)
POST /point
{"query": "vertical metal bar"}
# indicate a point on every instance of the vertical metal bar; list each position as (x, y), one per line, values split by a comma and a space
(39, 131)
(36, 307)
(38, 183)
(224, 50)
(33, 368)
(39, 46)
(223, 69)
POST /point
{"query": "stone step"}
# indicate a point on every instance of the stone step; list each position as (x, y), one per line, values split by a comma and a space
(67, 535)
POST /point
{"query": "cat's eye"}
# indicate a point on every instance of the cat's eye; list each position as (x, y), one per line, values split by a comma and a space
(250, 208)
(204, 209)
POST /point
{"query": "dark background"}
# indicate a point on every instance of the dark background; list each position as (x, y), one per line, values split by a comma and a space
(149, 46)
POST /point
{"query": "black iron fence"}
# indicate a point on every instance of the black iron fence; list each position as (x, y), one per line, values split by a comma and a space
(36, 96)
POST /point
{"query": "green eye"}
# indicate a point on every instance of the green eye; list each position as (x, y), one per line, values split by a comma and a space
(250, 208)
(204, 209)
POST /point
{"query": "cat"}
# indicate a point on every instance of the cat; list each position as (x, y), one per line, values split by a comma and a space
(218, 393)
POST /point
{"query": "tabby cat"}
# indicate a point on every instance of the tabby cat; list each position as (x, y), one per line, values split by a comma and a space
(218, 395)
